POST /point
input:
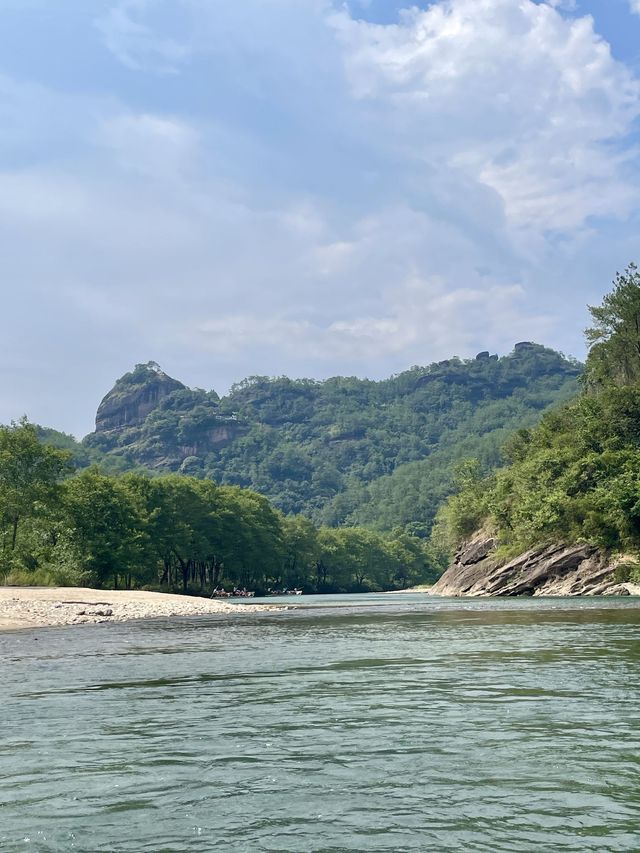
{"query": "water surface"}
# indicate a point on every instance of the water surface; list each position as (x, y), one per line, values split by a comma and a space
(398, 724)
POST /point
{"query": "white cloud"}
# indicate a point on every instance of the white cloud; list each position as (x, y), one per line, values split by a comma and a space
(635, 6)
(136, 44)
(421, 314)
(565, 5)
(380, 310)
(159, 146)
(510, 93)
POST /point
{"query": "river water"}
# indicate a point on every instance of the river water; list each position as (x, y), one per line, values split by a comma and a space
(395, 723)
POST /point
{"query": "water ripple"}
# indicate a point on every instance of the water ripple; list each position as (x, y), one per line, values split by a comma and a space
(490, 726)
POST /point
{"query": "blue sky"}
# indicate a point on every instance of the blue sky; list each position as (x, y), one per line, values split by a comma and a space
(304, 187)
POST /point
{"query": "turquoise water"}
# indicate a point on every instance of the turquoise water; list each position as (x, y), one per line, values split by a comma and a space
(397, 724)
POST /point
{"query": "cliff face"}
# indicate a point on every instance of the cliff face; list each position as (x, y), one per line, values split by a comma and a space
(134, 397)
(160, 423)
(548, 570)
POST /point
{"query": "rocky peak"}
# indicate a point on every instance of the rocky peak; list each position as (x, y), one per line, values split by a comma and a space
(134, 396)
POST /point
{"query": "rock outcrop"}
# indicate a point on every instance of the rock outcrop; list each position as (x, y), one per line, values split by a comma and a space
(134, 396)
(162, 424)
(548, 570)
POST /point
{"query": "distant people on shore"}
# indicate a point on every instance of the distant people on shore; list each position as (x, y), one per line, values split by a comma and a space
(294, 591)
(220, 592)
(237, 593)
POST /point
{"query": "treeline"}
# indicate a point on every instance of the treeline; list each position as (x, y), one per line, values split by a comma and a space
(576, 476)
(175, 533)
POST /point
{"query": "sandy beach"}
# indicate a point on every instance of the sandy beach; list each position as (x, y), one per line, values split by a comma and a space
(38, 607)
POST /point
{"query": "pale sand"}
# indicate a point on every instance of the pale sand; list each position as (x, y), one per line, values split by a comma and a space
(38, 607)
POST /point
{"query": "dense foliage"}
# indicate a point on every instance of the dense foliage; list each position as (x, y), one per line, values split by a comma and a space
(614, 338)
(175, 532)
(576, 476)
(344, 451)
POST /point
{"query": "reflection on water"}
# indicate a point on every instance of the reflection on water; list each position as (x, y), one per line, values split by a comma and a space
(408, 724)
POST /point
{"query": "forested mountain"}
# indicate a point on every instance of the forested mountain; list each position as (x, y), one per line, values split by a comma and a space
(342, 451)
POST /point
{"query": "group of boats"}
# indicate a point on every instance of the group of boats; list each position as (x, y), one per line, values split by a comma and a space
(246, 593)
(294, 591)
(237, 593)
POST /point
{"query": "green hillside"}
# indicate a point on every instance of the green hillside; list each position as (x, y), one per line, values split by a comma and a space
(342, 451)
(575, 477)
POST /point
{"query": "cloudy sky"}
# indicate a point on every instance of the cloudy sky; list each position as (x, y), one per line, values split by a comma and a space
(304, 187)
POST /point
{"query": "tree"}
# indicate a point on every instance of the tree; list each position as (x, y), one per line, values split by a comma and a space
(180, 521)
(30, 474)
(614, 338)
(253, 545)
(106, 529)
(414, 561)
(300, 549)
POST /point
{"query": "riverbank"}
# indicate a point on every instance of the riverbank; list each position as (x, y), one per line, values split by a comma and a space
(421, 588)
(555, 569)
(39, 607)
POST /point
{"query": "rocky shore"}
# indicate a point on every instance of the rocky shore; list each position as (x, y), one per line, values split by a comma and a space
(33, 607)
(548, 570)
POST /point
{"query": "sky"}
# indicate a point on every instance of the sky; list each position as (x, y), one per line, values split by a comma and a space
(304, 187)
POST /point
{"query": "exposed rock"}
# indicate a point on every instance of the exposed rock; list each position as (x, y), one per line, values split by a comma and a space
(106, 612)
(220, 434)
(134, 396)
(476, 550)
(548, 570)
(618, 589)
(161, 422)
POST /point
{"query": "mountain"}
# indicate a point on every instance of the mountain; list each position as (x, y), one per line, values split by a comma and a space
(341, 451)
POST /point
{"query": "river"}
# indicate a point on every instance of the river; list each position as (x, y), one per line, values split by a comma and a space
(388, 723)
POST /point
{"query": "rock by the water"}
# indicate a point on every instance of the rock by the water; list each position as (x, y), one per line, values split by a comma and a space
(548, 570)
(476, 550)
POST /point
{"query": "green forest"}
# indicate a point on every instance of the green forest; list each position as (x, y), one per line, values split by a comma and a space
(575, 477)
(175, 533)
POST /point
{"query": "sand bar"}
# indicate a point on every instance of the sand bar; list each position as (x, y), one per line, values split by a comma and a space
(38, 607)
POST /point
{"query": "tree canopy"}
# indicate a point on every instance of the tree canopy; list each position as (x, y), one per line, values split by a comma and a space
(30, 475)
(614, 337)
